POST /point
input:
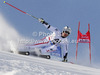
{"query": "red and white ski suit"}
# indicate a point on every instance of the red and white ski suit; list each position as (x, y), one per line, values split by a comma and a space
(52, 41)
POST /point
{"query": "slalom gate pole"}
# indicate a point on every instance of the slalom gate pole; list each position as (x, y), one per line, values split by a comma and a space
(20, 10)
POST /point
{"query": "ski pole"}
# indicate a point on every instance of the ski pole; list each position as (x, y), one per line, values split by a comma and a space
(20, 10)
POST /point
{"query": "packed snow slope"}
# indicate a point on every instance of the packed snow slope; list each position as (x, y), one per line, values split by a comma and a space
(15, 64)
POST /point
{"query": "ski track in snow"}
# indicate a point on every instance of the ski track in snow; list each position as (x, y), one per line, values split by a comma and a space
(15, 64)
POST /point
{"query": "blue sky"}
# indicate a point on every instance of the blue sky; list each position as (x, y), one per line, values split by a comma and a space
(57, 13)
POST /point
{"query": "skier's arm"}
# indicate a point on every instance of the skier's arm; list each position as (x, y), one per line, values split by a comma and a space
(51, 28)
(64, 47)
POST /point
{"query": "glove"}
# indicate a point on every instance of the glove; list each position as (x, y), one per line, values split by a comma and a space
(41, 20)
(65, 57)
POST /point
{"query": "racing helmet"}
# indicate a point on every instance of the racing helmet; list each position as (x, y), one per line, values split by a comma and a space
(66, 29)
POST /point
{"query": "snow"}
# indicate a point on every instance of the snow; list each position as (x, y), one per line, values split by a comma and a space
(15, 64)
(8, 35)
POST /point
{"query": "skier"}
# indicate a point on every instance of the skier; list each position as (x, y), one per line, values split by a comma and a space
(59, 38)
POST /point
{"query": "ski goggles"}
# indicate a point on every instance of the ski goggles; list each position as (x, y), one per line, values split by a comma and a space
(66, 32)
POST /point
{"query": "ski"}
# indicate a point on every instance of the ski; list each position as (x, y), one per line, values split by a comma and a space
(45, 56)
(24, 53)
(34, 54)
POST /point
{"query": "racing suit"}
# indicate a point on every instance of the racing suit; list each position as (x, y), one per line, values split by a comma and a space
(53, 40)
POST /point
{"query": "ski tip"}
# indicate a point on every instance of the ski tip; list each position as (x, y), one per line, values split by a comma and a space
(4, 2)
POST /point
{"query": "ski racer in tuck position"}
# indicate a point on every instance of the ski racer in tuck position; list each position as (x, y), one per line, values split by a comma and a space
(58, 39)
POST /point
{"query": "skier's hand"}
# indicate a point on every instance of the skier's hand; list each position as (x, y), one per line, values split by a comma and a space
(41, 20)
